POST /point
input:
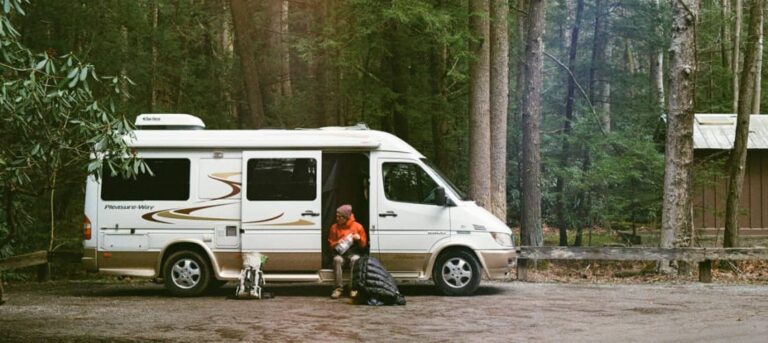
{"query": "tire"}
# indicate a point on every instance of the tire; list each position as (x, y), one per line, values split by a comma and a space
(187, 274)
(456, 273)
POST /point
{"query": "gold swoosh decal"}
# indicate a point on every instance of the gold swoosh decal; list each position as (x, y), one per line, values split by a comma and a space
(301, 222)
(187, 211)
(184, 213)
(173, 215)
(223, 177)
(151, 217)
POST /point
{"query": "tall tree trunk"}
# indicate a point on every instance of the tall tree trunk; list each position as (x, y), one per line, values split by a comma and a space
(227, 46)
(438, 64)
(565, 150)
(629, 55)
(759, 69)
(319, 64)
(725, 54)
(600, 86)
(738, 157)
(522, 18)
(285, 52)
(736, 60)
(479, 108)
(676, 218)
(725, 37)
(657, 72)
(398, 75)
(531, 230)
(499, 56)
(270, 52)
(155, 36)
(515, 145)
(241, 22)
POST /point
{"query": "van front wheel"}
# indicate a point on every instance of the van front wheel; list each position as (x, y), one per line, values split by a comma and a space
(456, 272)
(186, 274)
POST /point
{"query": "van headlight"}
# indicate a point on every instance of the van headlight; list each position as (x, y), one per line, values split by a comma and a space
(503, 239)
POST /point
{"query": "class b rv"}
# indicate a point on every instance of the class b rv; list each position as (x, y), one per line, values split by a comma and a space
(214, 195)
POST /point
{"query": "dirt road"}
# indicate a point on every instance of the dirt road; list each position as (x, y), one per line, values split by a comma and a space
(501, 312)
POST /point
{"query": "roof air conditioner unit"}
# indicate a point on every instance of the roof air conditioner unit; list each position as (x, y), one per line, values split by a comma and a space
(168, 121)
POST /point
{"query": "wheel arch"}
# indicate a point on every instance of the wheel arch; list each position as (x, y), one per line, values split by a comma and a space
(191, 245)
(453, 246)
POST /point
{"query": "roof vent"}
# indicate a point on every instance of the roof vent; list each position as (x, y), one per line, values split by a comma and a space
(168, 121)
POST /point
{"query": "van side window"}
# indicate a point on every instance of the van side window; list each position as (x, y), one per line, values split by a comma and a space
(282, 179)
(407, 182)
(169, 182)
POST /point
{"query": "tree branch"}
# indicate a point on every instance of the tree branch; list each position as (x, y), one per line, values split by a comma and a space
(581, 90)
(688, 9)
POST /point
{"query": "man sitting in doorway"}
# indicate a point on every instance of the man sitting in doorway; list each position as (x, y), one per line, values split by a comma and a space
(348, 241)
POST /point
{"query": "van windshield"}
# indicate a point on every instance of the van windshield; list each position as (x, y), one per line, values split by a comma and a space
(446, 181)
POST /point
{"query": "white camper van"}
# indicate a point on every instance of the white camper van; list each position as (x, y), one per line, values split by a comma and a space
(215, 194)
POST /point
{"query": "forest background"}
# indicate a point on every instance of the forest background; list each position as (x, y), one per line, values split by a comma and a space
(404, 66)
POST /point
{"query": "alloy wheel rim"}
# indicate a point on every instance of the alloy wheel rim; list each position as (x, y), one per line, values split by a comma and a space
(457, 272)
(185, 273)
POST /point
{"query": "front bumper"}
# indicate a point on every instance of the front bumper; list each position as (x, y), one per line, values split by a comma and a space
(499, 264)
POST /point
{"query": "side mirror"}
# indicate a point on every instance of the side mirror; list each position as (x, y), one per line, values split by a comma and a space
(440, 198)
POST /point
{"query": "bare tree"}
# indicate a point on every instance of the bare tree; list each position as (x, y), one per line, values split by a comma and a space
(676, 218)
(531, 230)
(241, 21)
(499, 57)
(738, 157)
(479, 111)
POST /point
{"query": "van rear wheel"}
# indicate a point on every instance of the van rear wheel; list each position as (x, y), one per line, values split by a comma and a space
(456, 272)
(187, 274)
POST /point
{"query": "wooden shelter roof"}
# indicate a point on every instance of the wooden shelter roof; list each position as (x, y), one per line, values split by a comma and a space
(717, 131)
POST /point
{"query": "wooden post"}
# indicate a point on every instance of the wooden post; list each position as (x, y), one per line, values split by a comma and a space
(44, 272)
(522, 269)
(705, 271)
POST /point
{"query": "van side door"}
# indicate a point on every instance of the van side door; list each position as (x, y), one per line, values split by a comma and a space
(409, 220)
(281, 208)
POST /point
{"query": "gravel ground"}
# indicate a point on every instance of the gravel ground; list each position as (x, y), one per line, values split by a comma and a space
(500, 312)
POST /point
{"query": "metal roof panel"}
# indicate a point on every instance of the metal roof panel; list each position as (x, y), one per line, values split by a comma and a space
(717, 131)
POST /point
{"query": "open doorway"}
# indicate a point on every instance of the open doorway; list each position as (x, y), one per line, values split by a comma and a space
(345, 181)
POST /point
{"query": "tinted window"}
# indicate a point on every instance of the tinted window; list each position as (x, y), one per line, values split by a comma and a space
(282, 179)
(407, 182)
(169, 182)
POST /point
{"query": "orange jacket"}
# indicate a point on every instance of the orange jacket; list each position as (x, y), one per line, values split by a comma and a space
(340, 231)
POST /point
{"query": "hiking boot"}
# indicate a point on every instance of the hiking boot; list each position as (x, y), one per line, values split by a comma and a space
(336, 293)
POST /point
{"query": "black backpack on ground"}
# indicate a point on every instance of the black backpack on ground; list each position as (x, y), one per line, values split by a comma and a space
(374, 284)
